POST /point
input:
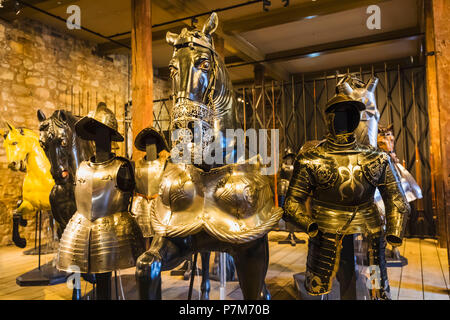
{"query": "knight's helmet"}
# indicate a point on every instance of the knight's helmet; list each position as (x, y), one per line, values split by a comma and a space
(100, 117)
(367, 131)
(342, 114)
(150, 133)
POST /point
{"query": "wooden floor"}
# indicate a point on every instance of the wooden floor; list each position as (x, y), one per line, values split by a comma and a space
(425, 276)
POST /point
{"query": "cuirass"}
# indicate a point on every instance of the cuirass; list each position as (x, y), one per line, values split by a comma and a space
(233, 203)
(96, 191)
(346, 178)
(148, 175)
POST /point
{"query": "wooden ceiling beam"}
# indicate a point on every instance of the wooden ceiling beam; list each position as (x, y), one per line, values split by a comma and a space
(8, 12)
(106, 48)
(234, 43)
(343, 45)
(292, 13)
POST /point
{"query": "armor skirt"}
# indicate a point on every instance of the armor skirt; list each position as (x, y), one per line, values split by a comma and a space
(104, 245)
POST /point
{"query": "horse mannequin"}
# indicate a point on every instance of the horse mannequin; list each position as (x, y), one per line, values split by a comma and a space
(65, 151)
(26, 155)
(207, 206)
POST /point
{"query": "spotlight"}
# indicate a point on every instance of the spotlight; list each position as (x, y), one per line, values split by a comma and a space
(17, 7)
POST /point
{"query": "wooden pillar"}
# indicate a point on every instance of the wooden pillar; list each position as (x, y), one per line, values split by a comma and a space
(438, 90)
(142, 68)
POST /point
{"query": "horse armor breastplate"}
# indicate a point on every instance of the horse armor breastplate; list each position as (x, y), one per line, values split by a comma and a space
(96, 191)
(233, 203)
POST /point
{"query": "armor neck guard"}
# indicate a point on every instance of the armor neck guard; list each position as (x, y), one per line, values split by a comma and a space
(92, 161)
(341, 142)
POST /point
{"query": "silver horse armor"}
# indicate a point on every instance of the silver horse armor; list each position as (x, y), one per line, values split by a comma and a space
(233, 203)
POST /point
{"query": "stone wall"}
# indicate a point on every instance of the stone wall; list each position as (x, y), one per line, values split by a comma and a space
(41, 68)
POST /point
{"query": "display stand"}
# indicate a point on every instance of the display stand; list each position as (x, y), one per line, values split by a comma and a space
(292, 240)
(43, 275)
(395, 259)
(185, 270)
(230, 269)
(223, 275)
(45, 249)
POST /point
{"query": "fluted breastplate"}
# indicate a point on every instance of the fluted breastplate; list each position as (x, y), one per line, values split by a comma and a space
(148, 175)
(96, 191)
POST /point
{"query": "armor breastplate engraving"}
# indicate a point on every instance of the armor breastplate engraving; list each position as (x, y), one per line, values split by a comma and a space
(96, 191)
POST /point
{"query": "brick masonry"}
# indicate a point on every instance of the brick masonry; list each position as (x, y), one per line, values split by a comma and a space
(41, 68)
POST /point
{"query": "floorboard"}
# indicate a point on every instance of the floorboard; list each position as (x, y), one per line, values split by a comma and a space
(425, 276)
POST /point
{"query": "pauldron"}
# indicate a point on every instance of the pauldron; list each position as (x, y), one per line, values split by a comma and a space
(322, 170)
(373, 164)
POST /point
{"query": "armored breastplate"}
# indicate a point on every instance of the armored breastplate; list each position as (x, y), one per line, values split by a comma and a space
(233, 203)
(346, 178)
(96, 191)
(148, 175)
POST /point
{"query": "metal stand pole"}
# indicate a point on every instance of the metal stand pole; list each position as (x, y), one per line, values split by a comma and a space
(194, 269)
(39, 249)
(223, 275)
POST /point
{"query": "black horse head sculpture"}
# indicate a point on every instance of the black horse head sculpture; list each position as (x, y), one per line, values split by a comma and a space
(204, 97)
(65, 151)
(63, 148)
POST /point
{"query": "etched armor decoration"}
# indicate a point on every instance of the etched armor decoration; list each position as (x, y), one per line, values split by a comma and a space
(341, 177)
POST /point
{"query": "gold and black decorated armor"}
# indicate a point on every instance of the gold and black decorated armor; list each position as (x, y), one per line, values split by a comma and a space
(102, 236)
(148, 176)
(341, 177)
(233, 203)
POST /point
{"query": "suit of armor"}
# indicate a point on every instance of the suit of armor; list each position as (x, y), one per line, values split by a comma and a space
(341, 176)
(148, 177)
(101, 236)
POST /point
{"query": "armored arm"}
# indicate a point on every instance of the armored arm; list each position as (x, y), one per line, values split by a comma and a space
(397, 207)
(295, 206)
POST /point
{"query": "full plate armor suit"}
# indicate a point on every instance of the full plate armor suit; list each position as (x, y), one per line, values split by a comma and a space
(101, 236)
(341, 177)
(148, 172)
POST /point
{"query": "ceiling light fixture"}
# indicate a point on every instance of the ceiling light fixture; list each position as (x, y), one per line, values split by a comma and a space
(17, 8)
